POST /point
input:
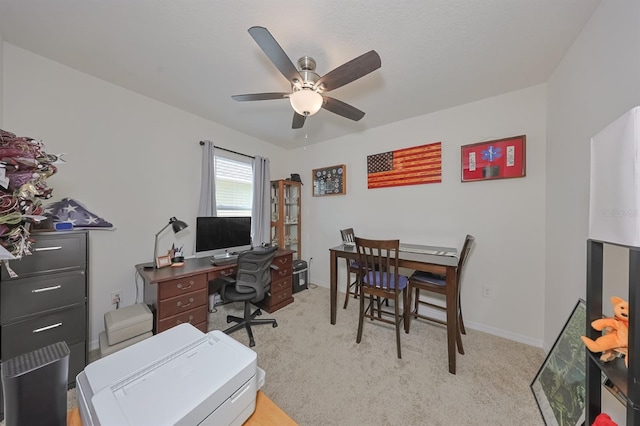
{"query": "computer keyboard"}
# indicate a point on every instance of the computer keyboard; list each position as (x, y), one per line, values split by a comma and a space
(224, 260)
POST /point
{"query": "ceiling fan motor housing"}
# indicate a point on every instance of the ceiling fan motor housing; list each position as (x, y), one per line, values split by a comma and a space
(307, 66)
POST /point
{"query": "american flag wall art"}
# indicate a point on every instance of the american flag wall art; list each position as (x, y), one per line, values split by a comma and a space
(407, 166)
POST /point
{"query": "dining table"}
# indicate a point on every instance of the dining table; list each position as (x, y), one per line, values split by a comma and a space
(435, 259)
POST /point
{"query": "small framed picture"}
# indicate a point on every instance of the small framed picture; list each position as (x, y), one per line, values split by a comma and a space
(162, 261)
(330, 180)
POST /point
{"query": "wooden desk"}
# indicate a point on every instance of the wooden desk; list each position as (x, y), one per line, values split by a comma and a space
(445, 265)
(181, 295)
(266, 414)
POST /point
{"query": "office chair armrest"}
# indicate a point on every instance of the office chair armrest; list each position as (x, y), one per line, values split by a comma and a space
(223, 282)
(275, 267)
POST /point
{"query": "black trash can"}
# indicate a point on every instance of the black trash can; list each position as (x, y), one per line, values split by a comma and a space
(300, 275)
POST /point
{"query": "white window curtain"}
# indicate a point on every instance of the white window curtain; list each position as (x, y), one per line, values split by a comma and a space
(208, 182)
(260, 215)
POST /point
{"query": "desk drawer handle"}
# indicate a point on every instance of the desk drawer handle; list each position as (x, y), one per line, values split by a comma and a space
(48, 327)
(180, 321)
(180, 286)
(227, 273)
(40, 290)
(180, 305)
(48, 248)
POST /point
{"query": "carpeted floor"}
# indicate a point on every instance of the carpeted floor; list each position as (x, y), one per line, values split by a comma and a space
(318, 375)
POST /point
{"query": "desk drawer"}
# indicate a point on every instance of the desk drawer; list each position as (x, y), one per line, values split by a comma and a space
(226, 272)
(272, 301)
(29, 335)
(283, 261)
(183, 303)
(28, 296)
(181, 286)
(279, 274)
(194, 317)
(203, 326)
(51, 252)
(280, 286)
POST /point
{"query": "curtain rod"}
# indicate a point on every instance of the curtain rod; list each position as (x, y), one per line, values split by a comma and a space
(228, 150)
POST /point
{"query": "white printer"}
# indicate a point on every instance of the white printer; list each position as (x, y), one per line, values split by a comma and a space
(179, 377)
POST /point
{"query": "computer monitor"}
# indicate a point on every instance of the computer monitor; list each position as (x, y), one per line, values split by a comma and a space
(220, 235)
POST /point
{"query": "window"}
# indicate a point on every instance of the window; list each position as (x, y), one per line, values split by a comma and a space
(234, 185)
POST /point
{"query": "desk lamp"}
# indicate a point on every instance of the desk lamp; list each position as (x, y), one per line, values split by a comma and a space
(177, 225)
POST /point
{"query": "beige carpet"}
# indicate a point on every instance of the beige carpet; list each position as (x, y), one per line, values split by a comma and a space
(318, 375)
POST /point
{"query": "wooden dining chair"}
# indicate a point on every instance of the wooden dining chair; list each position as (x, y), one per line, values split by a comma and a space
(352, 289)
(380, 279)
(434, 283)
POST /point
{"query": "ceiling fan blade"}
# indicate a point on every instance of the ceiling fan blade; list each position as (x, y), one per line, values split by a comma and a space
(260, 96)
(350, 71)
(298, 121)
(274, 52)
(340, 108)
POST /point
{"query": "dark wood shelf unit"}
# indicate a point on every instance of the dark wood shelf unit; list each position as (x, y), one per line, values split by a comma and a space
(626, 380)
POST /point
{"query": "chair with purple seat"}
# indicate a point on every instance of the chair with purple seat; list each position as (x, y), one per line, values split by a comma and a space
(379, 279)
(434, 283)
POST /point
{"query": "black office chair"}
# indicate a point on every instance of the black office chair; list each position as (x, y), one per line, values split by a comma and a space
(252, 282)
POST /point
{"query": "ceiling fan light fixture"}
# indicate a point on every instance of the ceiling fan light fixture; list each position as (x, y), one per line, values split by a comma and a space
(306, 101)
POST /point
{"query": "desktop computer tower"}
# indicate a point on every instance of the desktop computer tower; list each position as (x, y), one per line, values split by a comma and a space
(35, 386)
(300, 275)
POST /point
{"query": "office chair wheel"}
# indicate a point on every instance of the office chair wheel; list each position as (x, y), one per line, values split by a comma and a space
(258, 312)
(229, 320)
(274, 325)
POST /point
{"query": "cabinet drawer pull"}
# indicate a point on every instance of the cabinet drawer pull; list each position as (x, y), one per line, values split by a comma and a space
(48, 327)
(180, 321)
(180, 286)
(40, 290)
(180, 305)
(283, 261)
(283, 273)
(48, 248)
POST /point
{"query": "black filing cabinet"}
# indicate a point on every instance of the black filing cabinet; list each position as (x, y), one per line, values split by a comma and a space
(47, 299)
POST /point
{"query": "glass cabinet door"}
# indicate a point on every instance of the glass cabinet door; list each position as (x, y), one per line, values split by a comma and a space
(286, 215)
(275, 214)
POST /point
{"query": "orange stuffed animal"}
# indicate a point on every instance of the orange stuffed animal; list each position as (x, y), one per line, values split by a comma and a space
(616, 333)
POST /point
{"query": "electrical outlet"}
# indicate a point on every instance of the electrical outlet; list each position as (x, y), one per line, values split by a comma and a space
(116, 297)
(487, 292)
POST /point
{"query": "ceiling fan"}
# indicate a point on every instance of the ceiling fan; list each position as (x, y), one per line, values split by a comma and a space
(307, 87)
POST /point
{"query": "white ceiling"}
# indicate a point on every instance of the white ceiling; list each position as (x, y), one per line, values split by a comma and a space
(195, 54)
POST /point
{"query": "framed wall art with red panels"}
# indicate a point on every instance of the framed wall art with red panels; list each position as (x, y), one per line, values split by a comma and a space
(496, 159)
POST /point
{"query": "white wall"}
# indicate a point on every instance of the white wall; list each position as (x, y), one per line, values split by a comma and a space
(132, 160)
(506, 216)
(597, 81)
